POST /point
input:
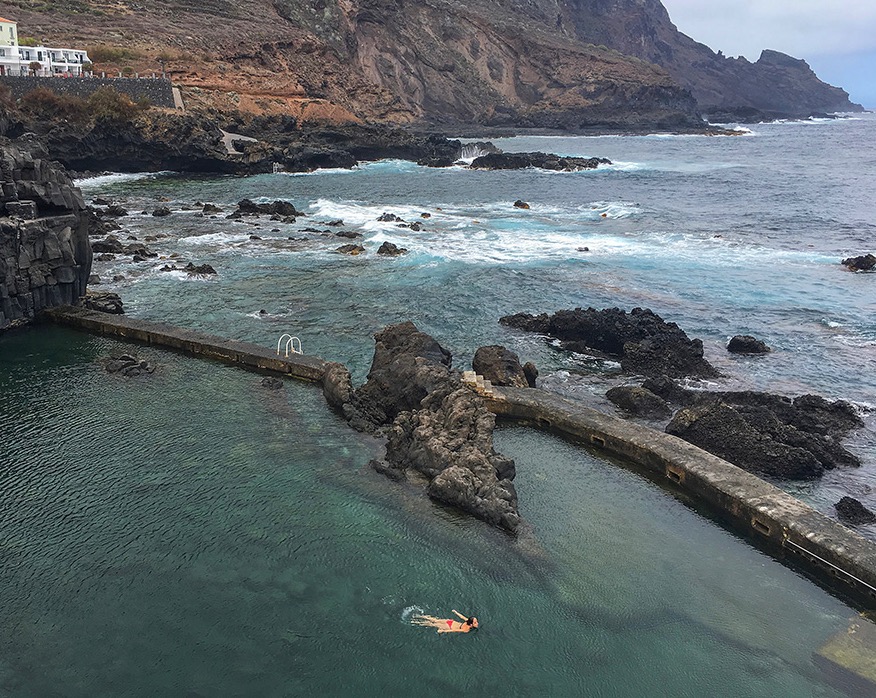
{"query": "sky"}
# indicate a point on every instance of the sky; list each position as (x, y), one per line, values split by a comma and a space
(836, 37)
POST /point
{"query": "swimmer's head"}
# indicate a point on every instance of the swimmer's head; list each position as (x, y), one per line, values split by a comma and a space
(473, 622)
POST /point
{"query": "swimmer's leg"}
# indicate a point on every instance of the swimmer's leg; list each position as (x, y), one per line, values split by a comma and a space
(427, 621)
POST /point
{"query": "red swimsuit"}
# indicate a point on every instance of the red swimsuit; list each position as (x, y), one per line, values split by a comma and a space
(450, 624)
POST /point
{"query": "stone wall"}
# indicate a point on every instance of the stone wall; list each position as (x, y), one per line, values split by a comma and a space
(158, 92)
(45, 254)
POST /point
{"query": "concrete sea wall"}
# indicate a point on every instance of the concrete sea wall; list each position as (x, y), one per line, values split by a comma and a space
(835, 555)
(245, 354)
(159, 92)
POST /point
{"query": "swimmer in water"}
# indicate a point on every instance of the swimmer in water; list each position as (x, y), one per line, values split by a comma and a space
(447, 625)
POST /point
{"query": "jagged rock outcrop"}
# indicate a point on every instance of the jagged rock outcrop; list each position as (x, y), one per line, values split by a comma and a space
(642, 341)
(795, 438)
(45, 254)
(500, 366)
(864, 262)
(434, 424)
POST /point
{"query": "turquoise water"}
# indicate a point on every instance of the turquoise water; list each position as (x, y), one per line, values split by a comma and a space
(193, 533)
(725, 236)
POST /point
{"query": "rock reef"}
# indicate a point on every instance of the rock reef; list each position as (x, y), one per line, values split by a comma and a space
(643, 342)
(793, 438)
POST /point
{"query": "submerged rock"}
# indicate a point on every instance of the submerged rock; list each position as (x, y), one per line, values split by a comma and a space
(128, 366)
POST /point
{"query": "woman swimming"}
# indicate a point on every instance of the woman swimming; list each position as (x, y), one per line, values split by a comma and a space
(447, 625)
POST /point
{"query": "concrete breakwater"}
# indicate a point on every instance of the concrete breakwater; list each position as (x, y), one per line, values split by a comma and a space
(245, 354)
(835, 555)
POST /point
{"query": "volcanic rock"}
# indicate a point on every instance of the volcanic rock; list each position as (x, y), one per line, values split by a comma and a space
(351, 249)
(390, 218)
(863, 263)
(391, 250)
(199, 270)
(161, 211)
(128, 366)
(110, 245)
(746, 344)
(639, 401)
(643, 342)
(104, 303)
(520, 203)
(500, 366)
(771, 434)
(434, 424)
(544, 161)
(851, 511)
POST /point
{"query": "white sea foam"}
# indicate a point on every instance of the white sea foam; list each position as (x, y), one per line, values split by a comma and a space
(409, 612)
(321, 171)
(105, 180)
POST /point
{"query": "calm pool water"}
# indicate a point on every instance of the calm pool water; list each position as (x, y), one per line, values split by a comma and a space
(192, 533)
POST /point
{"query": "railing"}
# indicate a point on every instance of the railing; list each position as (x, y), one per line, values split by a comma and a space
(293, 344)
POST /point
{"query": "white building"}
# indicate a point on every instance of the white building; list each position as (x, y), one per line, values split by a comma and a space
(17, 60)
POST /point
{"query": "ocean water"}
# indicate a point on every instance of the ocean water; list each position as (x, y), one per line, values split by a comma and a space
(191, 533)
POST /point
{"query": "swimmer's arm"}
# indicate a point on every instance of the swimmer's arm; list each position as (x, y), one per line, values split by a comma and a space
(461, 617)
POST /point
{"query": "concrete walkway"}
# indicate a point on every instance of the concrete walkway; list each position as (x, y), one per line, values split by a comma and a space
(838, 556)
(309, 368)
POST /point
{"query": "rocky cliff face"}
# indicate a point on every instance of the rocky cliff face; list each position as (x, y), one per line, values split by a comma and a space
(570, 64)
(775, 83)
(45, 255)
(436, 62)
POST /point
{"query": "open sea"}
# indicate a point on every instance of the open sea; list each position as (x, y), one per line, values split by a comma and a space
(192, 533)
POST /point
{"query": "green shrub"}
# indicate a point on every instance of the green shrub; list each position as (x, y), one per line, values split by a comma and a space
(103, 53)
(45, 105)
(27, 41)
(111, 105)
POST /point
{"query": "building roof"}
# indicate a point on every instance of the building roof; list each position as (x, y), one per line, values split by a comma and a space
(11, 21)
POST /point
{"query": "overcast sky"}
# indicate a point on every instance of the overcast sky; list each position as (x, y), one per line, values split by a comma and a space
(836, 37)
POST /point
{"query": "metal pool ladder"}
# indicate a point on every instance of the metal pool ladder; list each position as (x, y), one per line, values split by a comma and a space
(293, 344)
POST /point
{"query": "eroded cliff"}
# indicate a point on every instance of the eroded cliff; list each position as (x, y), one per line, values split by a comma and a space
(45, 254)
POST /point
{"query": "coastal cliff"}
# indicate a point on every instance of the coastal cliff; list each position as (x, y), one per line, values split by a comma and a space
(775, 83)
(45, 254)
(567, 64)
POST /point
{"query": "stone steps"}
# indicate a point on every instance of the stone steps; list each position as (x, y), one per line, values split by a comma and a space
(478, 383)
